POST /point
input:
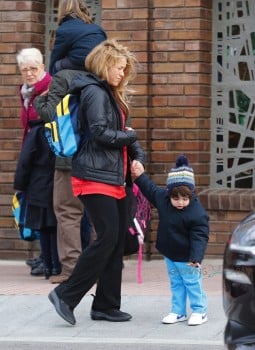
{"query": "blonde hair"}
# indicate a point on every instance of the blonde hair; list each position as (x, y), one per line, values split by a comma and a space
(73, 8)
(29, 56)
(106, 55)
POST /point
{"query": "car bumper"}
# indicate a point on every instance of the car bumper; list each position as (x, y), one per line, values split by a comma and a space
(239, 297)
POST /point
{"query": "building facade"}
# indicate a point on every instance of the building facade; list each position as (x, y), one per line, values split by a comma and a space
(193, 95)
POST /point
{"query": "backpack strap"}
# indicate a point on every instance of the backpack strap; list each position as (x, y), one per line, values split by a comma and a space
(139, 264)
(140, 251)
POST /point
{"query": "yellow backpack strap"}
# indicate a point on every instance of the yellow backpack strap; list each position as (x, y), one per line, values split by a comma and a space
(63, 106)
(15, 201)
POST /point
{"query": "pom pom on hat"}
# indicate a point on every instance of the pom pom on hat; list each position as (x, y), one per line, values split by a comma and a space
(181, 161)
(181, 175)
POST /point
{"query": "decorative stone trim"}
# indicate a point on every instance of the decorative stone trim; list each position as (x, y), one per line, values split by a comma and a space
(222, 199)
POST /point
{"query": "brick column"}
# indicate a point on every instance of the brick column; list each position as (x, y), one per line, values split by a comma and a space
(22, 25)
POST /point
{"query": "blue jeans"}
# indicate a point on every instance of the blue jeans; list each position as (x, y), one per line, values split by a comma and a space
(186, 281)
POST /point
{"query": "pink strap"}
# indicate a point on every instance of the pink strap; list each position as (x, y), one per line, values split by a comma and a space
(135, 189)
(139, 263)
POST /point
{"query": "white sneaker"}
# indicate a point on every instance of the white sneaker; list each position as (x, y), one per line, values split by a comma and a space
(197, 319)
(174, 318)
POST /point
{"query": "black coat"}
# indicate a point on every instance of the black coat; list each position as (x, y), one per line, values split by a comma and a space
(182, 234)
(101, 155)
(35, 168)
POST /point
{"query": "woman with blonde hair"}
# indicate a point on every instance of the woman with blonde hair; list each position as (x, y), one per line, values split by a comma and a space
(100, 176)
(75, 37)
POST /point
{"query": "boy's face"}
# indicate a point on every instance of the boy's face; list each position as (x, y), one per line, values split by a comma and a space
(180, 202)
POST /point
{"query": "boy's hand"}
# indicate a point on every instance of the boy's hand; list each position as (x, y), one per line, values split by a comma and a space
(194, 264)
(137, 168)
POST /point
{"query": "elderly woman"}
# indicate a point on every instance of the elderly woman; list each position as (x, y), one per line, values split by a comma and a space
(35, 82)
(35, 167)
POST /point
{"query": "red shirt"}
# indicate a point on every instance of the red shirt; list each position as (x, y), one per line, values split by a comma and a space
(84, 187)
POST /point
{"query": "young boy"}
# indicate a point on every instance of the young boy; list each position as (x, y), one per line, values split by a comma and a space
(182, 237)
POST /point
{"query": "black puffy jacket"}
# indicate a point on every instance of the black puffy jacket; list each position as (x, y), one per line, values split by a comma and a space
(182, 234)
(100, 157)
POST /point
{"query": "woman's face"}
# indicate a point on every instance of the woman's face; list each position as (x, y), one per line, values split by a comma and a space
(116, 73)
(31, 73)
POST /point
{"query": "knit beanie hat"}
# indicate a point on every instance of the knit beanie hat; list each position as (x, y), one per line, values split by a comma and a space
(181, 175)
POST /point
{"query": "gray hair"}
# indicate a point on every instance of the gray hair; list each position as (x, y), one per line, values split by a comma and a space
(29, 56)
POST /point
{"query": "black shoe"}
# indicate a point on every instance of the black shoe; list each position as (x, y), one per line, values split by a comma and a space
(47, 273)
(38, 271)
(55, 272)
(62, 308)
(113, 315)
(51, 272)
(34, 262)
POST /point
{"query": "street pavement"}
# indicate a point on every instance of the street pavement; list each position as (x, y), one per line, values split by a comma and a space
(29, 321)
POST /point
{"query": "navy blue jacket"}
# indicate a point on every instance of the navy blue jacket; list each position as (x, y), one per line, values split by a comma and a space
(75, 39)
(35, 168)
(182, 234)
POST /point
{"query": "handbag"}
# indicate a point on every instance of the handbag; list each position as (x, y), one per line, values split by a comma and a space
(19, 210)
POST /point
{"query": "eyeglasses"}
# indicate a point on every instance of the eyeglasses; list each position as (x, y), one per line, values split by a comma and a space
(32, 70)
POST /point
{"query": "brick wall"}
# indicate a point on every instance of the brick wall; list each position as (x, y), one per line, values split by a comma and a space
(170, 108)
(226, 209)
(172, 40)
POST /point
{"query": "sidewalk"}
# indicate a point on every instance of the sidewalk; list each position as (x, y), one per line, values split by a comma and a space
(28, 316)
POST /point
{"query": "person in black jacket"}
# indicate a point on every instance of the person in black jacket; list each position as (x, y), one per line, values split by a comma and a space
(100, 174)
(34, 175)
(68, 208)
(75, 37)
(183, 233)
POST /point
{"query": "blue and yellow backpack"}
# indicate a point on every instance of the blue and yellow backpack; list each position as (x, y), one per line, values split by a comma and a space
(19, 210)
(63, 132)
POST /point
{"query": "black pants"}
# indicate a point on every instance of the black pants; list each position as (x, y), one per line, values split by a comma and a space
(101, 262)
(48, 241)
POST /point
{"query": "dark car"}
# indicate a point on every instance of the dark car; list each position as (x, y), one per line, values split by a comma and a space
(239, 286)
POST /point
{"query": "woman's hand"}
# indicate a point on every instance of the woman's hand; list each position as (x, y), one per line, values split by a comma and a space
(137, 168)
